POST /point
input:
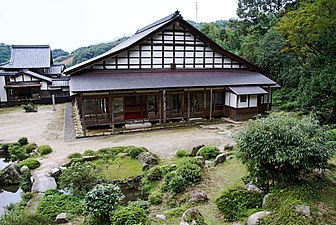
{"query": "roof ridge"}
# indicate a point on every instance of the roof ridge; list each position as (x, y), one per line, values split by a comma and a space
(30, 46)
(171, 16)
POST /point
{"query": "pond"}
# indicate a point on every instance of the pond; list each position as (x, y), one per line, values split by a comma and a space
(9, 194)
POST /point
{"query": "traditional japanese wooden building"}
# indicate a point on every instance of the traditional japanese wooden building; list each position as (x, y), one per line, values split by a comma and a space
(168, 71)
(31, 76)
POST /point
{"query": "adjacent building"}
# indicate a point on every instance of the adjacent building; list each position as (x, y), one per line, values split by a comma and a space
(31, 76)
(167, 71)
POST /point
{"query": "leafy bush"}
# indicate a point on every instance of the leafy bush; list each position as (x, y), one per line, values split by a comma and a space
(208, 152)
(29, 107)
(54, 203)
(44, 149)
(130, 215)
(19, 217)
(188, 160)
(26, 183)
(101, 200)
(76, 160)
(111, 152)
(134, 152)
(17, 153)
(5, 148)
(140, 204)
(89, 153)
(30, 163)
(177, 184)
(190, 172)
(182, 153)
(166, 179)
(29, 147)
(155, 198)
(154, 173)
(79, 178)
(74, 155)
(282, 148)
(23, 141)
(165, 169)
(235, 204)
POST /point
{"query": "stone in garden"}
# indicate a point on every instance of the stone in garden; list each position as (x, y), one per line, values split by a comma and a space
(195, 150)
(219, 159)
(184, 223)
(201, 160)
(147, 159)
(55, 172)
(61, 218)
(89, 158)
(253, 219)
(192, 214)
(11, 174)
(24, 169)
(265, 199)
(199, 196)
(228, 147)
(43, 182)
(303, 210)
(161, 217)
(252, 187)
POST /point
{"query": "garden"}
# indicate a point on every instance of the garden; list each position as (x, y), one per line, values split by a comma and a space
(282, 171)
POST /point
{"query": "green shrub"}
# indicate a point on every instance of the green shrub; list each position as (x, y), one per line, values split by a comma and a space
(79, 178)
(20, 217)
(182, 153)
(236, 203)
(74, 155)
(76, 160)
(155, 198)
(208, 152)
(26, 196)
(54, 203)
(177, 184)
(188, 160)
(130, 215)
(154, 173)
(102, 200)
(165, 169)
(190, 172)
(29, 147)
(44, 149)
(134, 152)
(29, 107)
(23, 141)
(30, 163)
(26, 183)
(5, 148)
(89, 153)
(166, 179)
(140, 204)
(111, 152)
(17, 153)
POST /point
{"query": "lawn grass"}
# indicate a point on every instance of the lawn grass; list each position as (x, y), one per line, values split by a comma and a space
(119, 168)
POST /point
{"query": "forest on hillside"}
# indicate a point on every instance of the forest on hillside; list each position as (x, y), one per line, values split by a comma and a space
(295, 40)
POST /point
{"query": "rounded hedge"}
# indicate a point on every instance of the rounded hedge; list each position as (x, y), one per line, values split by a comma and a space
(29, 147)
(23, 141)
(182, 153)
(155, 198)
(134, 152)
(30, 163)
(208, 152)
(190, 172)
(89, 152)
(129, 215)
(154, 173)
(44, 149)
(74, 155)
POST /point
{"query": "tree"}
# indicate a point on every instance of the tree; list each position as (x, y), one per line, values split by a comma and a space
(282, 148)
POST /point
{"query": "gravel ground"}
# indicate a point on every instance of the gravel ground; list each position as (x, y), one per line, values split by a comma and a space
(49, 127)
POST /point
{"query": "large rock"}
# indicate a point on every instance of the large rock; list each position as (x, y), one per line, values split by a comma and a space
(24, 169)
(147, 159)
(219, 159)
(11, 174)
(199, 196)
(160, 217)
(61, 218)
(192, 216)
(88, 158)
(303, 210)
(252, 187)
(43, 182)
(195, 150)
(253, 219)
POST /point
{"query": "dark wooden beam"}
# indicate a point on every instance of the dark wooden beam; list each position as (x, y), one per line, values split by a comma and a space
(164, 107)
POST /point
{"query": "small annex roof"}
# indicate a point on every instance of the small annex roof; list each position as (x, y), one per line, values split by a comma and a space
(28, 57)
(123, 80)
(37, 75)
(54, 69)
(146, 32)
(247, 90)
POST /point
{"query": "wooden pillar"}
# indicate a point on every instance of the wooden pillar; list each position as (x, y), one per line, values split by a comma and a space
(82, 113)
(188, 115)
(268, 98)
(204, 103)
(160, 107)
(182, 105)
(164, 107)
(211, 99)
(112, 114)
(110, 109)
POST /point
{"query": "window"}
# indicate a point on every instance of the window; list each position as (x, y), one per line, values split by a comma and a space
(243, 98)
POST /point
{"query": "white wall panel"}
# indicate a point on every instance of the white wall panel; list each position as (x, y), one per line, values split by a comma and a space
(3, 94)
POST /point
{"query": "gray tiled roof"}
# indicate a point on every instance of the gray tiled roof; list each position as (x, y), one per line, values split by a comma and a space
(54, 69)
(113, 81)
(60, 83)
(29, 56)
(247, 90)
(37, 75)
